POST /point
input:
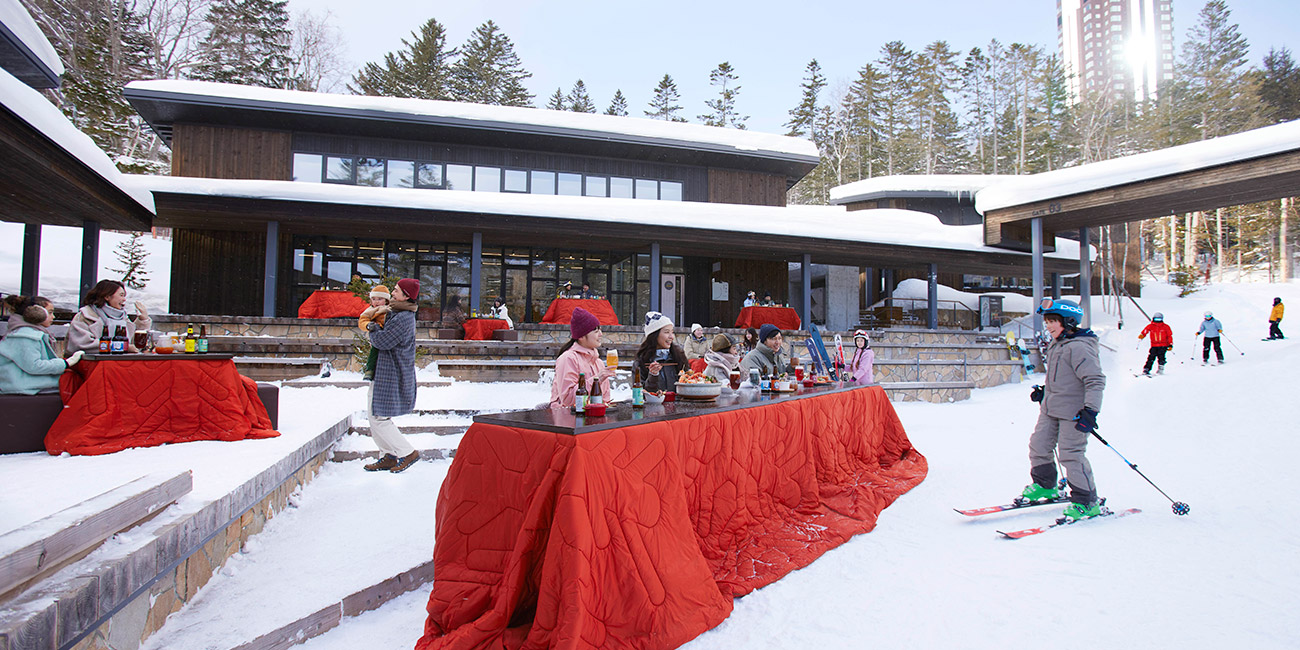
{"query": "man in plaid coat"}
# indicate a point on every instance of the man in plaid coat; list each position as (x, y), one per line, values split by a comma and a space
(393, 391)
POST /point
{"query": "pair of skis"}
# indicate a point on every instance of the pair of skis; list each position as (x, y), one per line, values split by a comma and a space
(822, 363)
(1059, 523)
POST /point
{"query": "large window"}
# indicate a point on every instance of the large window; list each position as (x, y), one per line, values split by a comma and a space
(307, 167)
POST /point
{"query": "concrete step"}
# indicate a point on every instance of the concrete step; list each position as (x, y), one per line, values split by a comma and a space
(327, 382)
(928, 391)
(438, 429)
(278, 368)
(425, 454)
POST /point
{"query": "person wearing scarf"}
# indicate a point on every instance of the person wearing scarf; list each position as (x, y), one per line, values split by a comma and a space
(392, 393)
(103, 311)
(580, 356)
(721, 359)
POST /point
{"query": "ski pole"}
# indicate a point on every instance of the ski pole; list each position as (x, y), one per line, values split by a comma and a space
(1225, 337)
(1179, 507)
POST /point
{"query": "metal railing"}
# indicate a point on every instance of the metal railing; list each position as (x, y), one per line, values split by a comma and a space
(914, 312)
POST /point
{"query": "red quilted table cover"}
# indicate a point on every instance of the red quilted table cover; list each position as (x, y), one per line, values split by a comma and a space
(639, 537)
(332, 304)
(114, 405)
(480, 329)
(561, 311)
(755, 317)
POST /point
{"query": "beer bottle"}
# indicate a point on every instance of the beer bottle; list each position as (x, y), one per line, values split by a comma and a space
(118, 344)
(190, 342)
(580, 394)
(201, 345)
(596, 396)
(105, 340)
(638, 391)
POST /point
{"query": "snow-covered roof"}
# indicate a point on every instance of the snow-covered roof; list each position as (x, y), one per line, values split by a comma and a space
(37, 111)
(884, 226)
(481, 116)
(18, 28)
(917, 185)
(1021, 190)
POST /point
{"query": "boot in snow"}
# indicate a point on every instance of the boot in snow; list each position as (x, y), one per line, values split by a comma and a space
(1077, 511)
(1036, 492)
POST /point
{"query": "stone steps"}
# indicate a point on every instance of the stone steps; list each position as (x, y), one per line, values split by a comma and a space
(928, 391)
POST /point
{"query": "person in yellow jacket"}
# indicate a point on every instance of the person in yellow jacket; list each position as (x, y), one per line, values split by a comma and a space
(1275, 320)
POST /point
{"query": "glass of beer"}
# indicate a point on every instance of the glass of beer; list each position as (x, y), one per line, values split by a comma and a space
(141, 340)
(734, 376)
(611, 358)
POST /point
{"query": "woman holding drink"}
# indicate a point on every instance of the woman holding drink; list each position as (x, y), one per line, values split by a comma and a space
(723, 360)
(103, 311)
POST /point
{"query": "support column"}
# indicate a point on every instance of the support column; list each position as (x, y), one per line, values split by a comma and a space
(476, 274)
(89, 257)
(1056, 286)
(29, 282)
(805, 287)
(656, 299)
(932, 295)
(1085, 277)
(872, 282)
(1036, 241)
(271, 270)
(889, 285)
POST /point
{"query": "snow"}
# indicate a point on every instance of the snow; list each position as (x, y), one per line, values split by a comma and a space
(1259, 142)
(16, 19)
(917, 289)
(956, 185)
(883, 226)
(34, 109)
(60, 268)
(1215, 437)
(469, 115)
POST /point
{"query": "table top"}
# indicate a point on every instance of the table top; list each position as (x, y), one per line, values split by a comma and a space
(153, 356)
(562, 420)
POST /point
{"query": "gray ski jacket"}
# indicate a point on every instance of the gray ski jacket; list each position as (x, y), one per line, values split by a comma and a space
(1074, 376)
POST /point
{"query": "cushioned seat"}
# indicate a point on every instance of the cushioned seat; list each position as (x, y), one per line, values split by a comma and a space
(26, 420)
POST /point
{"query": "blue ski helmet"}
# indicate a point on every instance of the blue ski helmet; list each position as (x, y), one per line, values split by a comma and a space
(1068, 310)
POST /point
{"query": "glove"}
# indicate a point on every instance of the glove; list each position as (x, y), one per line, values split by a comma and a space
(72, 360)
(1036, 394)
(1086, 420)
(141, 309)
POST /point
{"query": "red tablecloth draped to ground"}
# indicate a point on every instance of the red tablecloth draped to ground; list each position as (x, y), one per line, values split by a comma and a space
(480, 329)
(332, 304)
(561, 310)
(783, 317)
(114, 405)
(639, 537)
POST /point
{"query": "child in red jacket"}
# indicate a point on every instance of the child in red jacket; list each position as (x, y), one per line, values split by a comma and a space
(1162, 341)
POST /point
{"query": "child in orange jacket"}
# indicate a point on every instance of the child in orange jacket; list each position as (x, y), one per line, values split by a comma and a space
(376, 313)
(1162, 341)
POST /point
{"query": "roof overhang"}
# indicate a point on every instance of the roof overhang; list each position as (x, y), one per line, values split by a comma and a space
(24, 51)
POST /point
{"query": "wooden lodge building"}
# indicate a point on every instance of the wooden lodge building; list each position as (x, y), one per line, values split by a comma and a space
(275, 194)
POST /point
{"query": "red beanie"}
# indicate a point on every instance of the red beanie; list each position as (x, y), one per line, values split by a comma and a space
(411, 287)
(582, 323)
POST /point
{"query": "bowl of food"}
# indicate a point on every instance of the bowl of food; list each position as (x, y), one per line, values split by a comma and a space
(694, 385)
(652, 397)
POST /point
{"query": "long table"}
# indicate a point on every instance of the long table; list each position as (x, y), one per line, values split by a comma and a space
(637, 528)
(114, 402)
(561, 310)
(783, 317)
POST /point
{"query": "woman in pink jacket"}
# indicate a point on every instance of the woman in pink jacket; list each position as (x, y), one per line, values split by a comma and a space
(580, 356)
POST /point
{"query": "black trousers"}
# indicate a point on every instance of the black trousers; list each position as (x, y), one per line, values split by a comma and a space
(1275, 329)
(1218, 349)
(1157, 353)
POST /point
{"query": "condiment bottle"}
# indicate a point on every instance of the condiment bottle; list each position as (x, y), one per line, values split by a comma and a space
(580, 394)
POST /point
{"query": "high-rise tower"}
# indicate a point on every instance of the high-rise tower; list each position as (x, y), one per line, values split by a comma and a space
(1123, 47)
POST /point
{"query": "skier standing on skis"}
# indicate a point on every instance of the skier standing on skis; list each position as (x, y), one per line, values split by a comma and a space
(1162, 341)
(1275, 320)
(1069, 401)
(1212, 329)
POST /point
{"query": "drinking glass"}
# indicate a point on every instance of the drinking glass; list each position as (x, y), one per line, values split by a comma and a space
(611, 358)
(734, 376)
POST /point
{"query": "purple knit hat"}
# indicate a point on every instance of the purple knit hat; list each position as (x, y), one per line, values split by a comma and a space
(582, 323)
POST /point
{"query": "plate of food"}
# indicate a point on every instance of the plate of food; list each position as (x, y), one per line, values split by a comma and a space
(695, 385)
(821, 380)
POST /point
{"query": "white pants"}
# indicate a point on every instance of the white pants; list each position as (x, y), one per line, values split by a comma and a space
(386, 435)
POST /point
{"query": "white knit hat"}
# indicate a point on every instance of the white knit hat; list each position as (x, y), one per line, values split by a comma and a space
(380, 291)
(655, 321)
(696, 326)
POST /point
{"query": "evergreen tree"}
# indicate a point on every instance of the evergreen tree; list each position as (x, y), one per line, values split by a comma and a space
(421, 69)
(975, 93)
(897, 66)
(489, 71)
(1279, 87)
(937, 76)
(1213, 66)
(557, 101)
(724, 107)
(578, 100)
(664, 104)
(863, 106)
(803, 116)
(131, 255)
(618, 105)
(247, 43)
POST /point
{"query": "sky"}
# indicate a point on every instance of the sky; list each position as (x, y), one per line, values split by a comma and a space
(630, 46)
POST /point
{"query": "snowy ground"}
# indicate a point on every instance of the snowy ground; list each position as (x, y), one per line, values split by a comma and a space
(1215, 437)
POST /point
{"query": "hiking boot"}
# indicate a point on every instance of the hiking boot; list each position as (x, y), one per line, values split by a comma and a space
(405, 462)
(1077, 511)
(1036, 492)
(389, 461)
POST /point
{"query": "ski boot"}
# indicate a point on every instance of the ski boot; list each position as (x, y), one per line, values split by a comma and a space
(1076, 511)
(1035, 493)
(1161, 369)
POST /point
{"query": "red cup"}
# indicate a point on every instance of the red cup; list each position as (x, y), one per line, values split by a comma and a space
(670, 396)
(594, 410)
(798, 373)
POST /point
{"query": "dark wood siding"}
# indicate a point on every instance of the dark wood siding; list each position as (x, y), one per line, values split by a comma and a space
(217, 272)
(748, 188)
(230, 152)
(743, 276)
(694, 179)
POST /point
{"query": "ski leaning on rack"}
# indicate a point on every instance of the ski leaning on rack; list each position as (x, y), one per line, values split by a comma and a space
(1063, 522)
(1015, 505)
